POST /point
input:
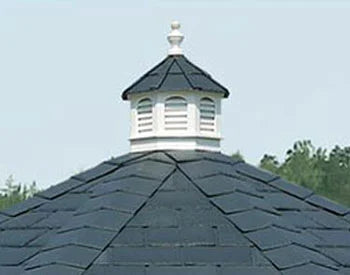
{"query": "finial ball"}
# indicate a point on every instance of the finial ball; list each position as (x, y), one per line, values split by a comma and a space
(175, 25)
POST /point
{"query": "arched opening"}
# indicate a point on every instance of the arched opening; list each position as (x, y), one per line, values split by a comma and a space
(144, 116)
(175, 113)
(207, 115)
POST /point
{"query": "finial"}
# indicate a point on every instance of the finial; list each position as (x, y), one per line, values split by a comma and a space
(175, 38)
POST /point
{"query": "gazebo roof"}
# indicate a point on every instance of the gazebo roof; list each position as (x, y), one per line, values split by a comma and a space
(175, 212)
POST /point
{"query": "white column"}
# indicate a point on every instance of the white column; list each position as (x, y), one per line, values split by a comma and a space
(192, 114)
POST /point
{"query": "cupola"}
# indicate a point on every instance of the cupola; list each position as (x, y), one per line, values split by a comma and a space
(176, 105)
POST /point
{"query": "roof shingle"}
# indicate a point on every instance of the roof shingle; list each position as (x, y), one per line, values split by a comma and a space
(175, 73)
(175, 212)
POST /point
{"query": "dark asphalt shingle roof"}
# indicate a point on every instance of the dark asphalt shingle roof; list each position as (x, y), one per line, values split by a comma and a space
(175, 212)
(175, 73)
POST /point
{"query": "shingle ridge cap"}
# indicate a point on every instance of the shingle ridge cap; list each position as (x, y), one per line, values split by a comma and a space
(162, 182)
(226, 91)
(166, 73)
(308, 198)
(184, 73)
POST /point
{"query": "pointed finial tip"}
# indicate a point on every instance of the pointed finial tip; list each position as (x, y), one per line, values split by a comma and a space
(175, 38)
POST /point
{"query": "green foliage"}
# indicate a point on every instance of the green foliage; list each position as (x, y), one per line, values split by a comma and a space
(14, 193)
(237, 155)
(326, 173)
(270, 163)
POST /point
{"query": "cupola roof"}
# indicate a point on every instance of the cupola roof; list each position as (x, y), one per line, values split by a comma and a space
(175, 73)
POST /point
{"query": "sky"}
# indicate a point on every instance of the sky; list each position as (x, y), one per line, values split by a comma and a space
(64, 65)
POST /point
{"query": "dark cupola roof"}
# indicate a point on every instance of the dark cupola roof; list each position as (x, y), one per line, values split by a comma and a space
(175, 73)
(175, 212)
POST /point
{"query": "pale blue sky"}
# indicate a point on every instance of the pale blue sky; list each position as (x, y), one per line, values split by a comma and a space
(64, 64)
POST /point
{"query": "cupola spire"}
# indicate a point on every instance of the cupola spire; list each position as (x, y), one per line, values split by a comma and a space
(175, 38)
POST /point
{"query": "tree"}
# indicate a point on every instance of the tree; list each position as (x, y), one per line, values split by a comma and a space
(14, 193)
(269, 162)
(238, 155)
(326, 173)
(336, 183)
(301, 165)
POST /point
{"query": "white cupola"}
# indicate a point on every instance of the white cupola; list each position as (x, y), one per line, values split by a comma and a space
(176, 105)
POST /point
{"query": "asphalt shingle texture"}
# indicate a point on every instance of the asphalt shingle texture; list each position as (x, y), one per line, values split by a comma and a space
(175, 212)
(175, 73)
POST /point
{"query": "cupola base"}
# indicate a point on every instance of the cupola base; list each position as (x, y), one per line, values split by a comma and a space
(175, 143)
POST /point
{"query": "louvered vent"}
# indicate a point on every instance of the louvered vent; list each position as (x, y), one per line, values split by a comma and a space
(207, 115)
(176, 114)
(144, 116)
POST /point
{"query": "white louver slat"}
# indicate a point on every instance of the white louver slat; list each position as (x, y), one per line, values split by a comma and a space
(207, 115)
(144, 116)
(176, 114)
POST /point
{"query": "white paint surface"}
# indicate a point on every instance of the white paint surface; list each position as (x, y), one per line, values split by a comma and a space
(161, 138)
